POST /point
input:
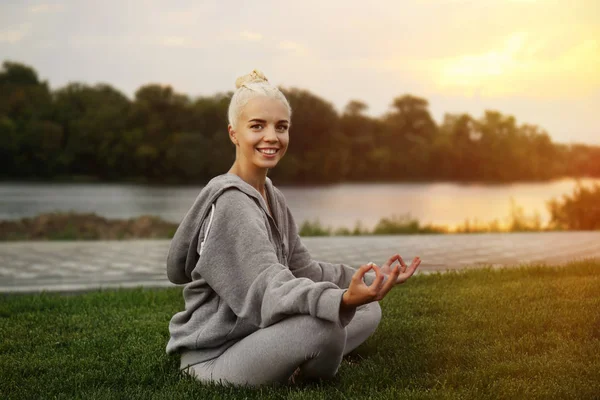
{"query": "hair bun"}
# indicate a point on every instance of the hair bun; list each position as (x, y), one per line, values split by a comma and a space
(254, 76)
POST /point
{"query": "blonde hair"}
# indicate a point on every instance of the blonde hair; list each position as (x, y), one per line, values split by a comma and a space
(249, 86)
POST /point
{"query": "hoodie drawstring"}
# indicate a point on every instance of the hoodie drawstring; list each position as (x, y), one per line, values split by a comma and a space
(212, 213)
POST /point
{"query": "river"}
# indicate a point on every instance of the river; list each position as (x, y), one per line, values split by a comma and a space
(338, 205)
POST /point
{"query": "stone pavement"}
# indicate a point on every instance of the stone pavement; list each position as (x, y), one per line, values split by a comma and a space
(86, 265)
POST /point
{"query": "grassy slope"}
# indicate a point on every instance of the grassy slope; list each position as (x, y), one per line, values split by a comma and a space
(529, 332)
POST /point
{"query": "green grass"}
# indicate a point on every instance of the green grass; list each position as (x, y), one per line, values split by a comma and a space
(518, 333)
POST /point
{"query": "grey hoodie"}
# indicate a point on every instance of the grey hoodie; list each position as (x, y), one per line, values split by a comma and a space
(253, 270)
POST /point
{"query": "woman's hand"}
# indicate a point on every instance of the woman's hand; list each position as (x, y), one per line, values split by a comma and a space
(405, 272)
(359, 293)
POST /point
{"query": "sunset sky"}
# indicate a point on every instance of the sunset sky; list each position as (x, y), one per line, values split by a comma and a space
(537, 60)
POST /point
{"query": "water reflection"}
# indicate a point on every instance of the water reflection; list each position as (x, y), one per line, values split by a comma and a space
(338, 205)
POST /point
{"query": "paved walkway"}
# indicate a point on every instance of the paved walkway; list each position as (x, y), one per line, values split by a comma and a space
(81, 265)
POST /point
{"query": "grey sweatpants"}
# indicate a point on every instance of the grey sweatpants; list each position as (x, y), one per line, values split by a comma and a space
(272, 354)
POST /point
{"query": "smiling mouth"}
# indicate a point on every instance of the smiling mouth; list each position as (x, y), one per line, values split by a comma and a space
(268, 152)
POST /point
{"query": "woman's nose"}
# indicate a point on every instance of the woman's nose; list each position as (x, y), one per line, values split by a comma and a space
(270, 135)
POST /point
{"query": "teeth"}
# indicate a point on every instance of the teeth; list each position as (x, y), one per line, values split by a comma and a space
(268, 151)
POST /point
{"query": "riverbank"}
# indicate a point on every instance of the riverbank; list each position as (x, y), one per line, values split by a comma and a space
(74, 226)
(89, 226)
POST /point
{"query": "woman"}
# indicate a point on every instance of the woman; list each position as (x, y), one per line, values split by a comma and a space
(258, 309)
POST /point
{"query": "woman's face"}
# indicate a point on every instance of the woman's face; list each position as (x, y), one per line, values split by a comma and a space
(262, 132)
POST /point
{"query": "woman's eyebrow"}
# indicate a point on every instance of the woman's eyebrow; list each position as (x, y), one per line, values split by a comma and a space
(264, 121)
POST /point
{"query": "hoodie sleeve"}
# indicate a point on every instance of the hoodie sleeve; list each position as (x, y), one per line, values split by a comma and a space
(302, 265)
(240, 263)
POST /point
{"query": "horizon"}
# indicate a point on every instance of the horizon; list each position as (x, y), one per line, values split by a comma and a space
(538, 61)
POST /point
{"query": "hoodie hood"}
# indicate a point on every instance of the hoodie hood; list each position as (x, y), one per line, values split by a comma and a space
(183, 251)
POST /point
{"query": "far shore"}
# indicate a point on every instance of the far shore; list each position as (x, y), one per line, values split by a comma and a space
(93, 180)
(89, 226)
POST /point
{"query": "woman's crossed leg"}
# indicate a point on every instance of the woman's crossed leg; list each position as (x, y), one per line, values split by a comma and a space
(272, 354)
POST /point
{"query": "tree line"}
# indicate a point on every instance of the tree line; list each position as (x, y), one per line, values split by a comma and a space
(95, 132)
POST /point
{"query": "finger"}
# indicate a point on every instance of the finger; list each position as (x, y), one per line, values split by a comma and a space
(404, 276)
(367, 267)
(360, 272)
(390, 283)
(392, 259)
(378, 279)
(384, 272)
(394, 276)
(403, 265)
(401, 261)
(415, 263)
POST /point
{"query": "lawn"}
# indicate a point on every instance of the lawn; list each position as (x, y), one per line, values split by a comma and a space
(528, 332)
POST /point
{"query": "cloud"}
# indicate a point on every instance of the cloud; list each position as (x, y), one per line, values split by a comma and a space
(179, 18)
(521, 67)
(181, 42)
(107, 41)
(251, 36)
(293, 47)
(46, 8)
(14, 35)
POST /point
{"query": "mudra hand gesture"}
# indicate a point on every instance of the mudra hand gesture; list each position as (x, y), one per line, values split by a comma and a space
(360, 293)
(405, 271)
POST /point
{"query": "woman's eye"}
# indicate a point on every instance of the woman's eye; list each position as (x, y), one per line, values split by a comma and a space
(256, 126)
(282, 128)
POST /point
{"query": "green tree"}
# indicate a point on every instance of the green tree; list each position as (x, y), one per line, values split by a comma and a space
(409, 132)
(165, 136)
(214, 152)
(459, 153)
(316, 147)
(542, 156)
(27, 147)
(361, 135)
(159, 113)
(94, 121)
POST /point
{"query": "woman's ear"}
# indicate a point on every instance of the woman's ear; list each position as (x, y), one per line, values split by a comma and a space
(232, 135)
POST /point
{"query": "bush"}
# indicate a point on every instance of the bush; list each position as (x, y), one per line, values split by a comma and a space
(579, 211)
(310, 228)
(519, 222)
(403, 224)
